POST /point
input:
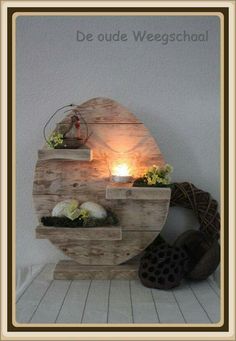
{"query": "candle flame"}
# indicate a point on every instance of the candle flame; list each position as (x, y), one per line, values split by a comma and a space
(122, 169)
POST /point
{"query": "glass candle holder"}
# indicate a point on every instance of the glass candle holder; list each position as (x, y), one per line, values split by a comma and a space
(121, 173)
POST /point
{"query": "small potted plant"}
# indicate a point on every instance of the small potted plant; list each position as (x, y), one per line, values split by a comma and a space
(55, 140)
(155, 176)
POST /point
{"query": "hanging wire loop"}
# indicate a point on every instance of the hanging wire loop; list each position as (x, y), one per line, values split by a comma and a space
(76, 112)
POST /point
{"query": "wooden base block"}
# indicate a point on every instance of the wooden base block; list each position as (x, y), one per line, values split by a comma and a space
(67, 269)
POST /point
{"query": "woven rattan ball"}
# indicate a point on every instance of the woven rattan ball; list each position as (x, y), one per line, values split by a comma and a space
(205, 256)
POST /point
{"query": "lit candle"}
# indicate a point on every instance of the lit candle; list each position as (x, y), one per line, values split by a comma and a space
(121, 173)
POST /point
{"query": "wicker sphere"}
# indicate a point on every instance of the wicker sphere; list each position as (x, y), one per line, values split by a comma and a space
(204, 255)
(205, 208)
(207, 264)
(194, 242)
(163, 266)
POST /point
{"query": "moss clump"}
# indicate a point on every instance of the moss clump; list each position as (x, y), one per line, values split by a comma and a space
(142, 182)
(111, 219)
(61, 222)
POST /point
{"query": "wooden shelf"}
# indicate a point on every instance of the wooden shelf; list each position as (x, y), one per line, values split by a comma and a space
(79, 233)
(81, 154)
(126, 191)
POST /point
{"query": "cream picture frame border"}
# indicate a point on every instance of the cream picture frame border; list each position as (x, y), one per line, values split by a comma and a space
(114, 335)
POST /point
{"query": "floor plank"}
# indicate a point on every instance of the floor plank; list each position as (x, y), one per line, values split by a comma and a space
(167, 309)
(116, 301)
(208, 299)
(97, 302)
(50, 305)
(144, 310)
(120, 308)
(189, 305)
(214, 286)
(28, 302)
(73, 306)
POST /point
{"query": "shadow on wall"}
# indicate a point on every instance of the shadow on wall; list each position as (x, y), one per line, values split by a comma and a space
(181, 154)
(178, 220)
(186, 168)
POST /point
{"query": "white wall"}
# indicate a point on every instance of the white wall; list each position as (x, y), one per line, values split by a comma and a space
(173, 89)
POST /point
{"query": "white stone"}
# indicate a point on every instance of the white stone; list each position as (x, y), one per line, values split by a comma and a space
(95, 210)
(60, 209)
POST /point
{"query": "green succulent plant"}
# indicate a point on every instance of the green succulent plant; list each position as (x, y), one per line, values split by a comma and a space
(56, 139)
(83, 214)
(158, 175)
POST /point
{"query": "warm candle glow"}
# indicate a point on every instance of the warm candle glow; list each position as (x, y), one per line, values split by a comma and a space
(122, 170)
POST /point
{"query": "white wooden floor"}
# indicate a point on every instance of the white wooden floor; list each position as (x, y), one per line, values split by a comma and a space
(117, 301)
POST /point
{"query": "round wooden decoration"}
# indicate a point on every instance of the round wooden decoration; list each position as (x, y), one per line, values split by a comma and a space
(116, 136)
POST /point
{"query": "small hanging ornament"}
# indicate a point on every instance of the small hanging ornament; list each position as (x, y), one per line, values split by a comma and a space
(77, 125)
(67, 134)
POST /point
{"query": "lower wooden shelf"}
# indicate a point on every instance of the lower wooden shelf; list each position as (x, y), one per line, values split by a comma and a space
(66, 269)
(79, 233)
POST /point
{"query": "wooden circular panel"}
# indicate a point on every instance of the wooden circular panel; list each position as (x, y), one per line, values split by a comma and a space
(116, 136)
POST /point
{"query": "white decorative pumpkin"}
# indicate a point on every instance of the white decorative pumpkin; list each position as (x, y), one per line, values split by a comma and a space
(67, 208)
(95, 210)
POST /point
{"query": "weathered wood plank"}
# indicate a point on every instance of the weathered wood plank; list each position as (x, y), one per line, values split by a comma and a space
(81, 154)
(74, 304)
(71, 175)
(60, 177)
(104, 110)
(127, 141)
(120, 308)
(208, 299)
(97, 302)
(29, 301)
(141, 214)
(166, 306)
(103, 252)
(80, 233)
(122, 192)
(44, 204)
(67, 269)
(143, 305)
(48, 308)
(189, 305)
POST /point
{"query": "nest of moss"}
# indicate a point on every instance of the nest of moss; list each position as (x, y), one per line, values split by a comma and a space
(70, 143)
(111, 219)
(142, 182)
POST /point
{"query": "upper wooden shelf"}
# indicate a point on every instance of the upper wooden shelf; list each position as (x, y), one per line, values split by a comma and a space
(81, 154)
(79, 233)
(126, 191)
